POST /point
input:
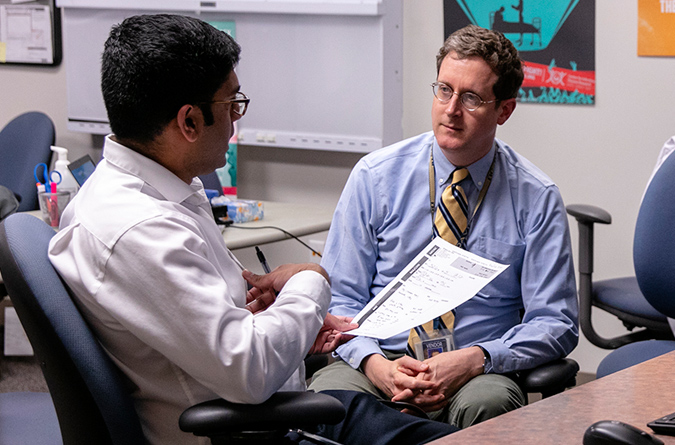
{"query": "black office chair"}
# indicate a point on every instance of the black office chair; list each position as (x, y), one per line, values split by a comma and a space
(621, 297)
(89, 392)
(654, 262)
(548, 379)
(25, 142)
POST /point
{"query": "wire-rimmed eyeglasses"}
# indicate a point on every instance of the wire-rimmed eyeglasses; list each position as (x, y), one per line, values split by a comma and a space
(470, 101)
(239, 103)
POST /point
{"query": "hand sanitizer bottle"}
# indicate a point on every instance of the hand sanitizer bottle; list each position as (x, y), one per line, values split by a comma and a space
(68, 183)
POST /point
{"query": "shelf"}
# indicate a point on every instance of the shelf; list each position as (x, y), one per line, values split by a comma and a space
(328, 7)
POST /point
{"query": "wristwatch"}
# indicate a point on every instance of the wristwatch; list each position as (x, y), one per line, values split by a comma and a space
(487, 361)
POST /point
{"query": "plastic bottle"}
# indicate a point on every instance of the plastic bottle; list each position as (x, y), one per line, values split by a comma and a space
(68, 183)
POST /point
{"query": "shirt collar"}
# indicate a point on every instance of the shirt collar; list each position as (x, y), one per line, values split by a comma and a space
(150, 172)
(478, 169)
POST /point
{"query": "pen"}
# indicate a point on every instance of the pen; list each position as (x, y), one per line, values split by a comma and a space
(263, 261)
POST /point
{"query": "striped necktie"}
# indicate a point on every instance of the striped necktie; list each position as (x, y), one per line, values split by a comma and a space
(451, 216)
(449, 223)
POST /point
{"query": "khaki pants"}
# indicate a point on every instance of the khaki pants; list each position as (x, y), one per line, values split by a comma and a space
(483, 397)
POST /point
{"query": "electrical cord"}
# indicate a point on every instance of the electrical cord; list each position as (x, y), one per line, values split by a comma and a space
(287, 233)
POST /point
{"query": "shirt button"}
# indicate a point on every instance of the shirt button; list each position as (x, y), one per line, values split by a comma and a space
(351, 361)
(440, 181)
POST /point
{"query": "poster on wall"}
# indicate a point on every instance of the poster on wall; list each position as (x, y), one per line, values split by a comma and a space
(227, 175)
(556, 41)
(656, 27)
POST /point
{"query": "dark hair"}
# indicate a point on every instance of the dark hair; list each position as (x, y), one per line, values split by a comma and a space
(154, 64)
(491, 46)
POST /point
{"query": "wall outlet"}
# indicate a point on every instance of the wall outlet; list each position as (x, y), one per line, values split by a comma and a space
(317, 245)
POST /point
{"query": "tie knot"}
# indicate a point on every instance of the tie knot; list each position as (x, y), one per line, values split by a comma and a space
(459, 175)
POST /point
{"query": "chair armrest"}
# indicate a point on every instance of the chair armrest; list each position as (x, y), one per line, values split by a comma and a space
(282, 411)
(586, 214)
(550, 378)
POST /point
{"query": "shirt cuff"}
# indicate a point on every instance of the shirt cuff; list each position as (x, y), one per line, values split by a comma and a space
(487, 361)
(497, 353)
(355, 350)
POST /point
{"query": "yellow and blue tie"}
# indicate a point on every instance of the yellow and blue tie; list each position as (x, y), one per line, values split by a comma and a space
(449, 223)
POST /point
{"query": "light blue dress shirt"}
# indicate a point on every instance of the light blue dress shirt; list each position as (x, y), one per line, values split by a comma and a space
(383, 220)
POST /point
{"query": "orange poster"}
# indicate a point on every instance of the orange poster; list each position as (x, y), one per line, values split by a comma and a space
(656, 27)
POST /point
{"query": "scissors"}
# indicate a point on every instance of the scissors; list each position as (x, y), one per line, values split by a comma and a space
(47, 177)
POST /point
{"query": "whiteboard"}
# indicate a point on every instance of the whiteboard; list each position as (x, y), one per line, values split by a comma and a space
(321, 74)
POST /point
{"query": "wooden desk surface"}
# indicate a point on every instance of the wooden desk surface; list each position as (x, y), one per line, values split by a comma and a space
(636, 396)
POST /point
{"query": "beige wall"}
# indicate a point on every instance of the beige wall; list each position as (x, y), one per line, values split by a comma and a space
(600, 154)
(28, 88)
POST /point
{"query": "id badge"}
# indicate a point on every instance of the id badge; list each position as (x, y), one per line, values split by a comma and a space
(439, 341)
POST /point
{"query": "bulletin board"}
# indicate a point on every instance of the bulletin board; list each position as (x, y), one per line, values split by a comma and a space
(30, 32)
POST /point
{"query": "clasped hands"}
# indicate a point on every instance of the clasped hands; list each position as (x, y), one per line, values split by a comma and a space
(429, 384)
(264, 290)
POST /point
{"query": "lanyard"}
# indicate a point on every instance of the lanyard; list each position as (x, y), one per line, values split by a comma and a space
(432, 195)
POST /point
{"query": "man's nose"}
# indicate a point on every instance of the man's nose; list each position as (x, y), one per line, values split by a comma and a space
(454, 104)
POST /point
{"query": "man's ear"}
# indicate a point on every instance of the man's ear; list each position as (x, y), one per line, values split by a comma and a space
(506, 107)
(190, 121)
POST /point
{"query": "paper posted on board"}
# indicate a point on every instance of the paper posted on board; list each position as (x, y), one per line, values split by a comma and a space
(437, 280)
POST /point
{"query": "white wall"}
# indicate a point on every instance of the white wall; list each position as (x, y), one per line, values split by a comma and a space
(35, 88)
(601, 154)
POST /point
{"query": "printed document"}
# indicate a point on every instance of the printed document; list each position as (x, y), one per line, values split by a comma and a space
(438, 280)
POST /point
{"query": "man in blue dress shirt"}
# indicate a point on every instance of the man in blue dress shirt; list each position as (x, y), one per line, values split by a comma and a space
(524, 318)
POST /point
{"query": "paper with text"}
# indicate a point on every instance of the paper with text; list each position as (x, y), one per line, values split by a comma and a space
(438, 280)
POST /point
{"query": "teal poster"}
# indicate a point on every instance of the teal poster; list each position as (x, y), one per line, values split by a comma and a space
(227, 175)
(555, 38)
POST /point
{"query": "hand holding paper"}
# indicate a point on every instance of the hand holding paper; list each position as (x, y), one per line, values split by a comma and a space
(438, 280)
(331, 334)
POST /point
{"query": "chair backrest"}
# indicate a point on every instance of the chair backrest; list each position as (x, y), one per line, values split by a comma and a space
(90, 394)
(654, 243)
(25, 142)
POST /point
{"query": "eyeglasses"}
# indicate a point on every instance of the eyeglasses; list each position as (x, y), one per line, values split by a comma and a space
(239, 103)
(470, 101)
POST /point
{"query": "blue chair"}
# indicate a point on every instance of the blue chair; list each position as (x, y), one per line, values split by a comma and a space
(623, 297)
(654, 260)
(25, 142)
(28, 418)
(90, 394)
(632, 354)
